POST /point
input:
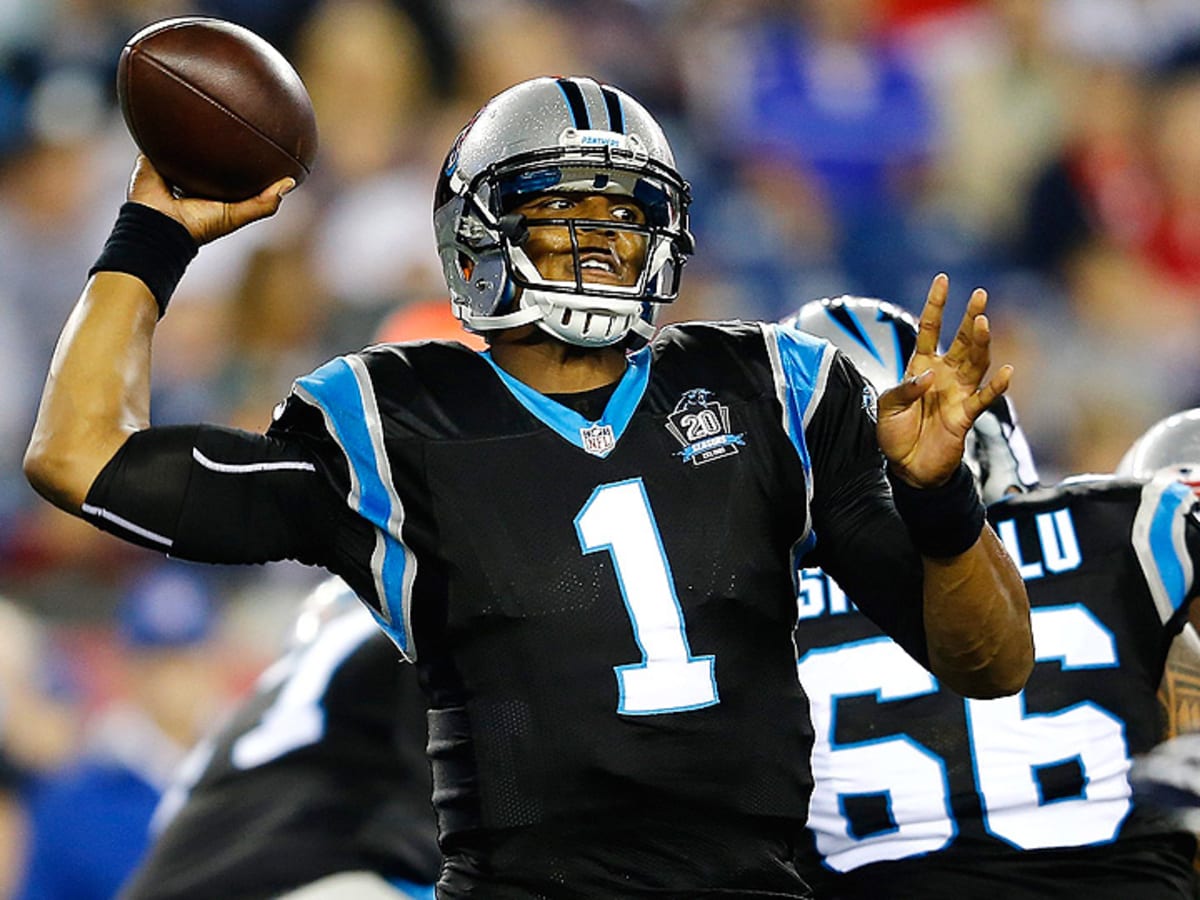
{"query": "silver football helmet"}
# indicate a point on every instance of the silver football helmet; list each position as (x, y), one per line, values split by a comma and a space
(879, 337)
(1170, 443)
(558, 135)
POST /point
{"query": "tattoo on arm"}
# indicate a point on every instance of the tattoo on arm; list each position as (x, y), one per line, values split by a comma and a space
(1179, 693)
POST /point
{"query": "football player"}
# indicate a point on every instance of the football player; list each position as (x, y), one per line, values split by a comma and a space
(922, 793)
(586, 543)
(1167, 775)
(316, 784)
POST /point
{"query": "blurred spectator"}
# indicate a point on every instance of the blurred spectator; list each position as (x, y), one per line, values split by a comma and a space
(1100, 186)
(828, 130)
(252, 312)
(38, 729)
(1173, 247)
(39, 709)
(12, 827)
(1107, 224)
(282, 21)
(506, 41)
(88, 820)
(831, 98)
(426, 320)
(1137, 33)
(48, 185)
(1001, 87)
(377, 95)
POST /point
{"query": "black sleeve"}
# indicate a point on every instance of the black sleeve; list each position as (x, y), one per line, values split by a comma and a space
(218, 495)
(861, 541)
(841, 434)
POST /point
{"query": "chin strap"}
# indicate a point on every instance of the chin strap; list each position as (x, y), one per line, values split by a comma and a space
(643, 329)
(508, 320)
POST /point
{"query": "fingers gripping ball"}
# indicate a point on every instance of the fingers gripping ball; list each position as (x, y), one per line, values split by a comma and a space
(218, 111)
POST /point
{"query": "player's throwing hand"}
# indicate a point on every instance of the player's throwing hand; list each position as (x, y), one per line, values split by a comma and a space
(205, 220)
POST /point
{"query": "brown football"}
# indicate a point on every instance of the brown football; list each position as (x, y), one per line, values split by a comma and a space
(218, 111)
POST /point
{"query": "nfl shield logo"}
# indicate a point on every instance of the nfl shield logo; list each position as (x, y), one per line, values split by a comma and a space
(598, 440)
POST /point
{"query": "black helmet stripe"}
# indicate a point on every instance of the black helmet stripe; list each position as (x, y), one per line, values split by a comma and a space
(575, 101)
(906, 341)
(616, 118)
(849, 322)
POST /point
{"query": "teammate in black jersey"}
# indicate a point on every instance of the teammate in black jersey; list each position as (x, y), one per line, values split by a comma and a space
(589, 550)
(317, 782)
(921, 793)
(1169, 775)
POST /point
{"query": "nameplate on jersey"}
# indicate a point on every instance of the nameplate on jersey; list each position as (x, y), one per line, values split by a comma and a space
(701, 425)
(1057, 549)
(598, 439)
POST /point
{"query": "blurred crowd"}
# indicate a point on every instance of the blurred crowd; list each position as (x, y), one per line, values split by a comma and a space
(1048, 150)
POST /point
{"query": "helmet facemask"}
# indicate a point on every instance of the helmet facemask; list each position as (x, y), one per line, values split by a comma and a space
(998, 454)
(579, 309)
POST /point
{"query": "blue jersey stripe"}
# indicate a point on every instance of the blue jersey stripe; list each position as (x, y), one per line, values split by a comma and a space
(413, 890)
(803, 362)
(567, 423)
(349, 413)
(801, 368)
(1164, 542)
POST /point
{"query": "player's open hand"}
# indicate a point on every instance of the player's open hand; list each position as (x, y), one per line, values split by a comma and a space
(924, 420)
(205, 220)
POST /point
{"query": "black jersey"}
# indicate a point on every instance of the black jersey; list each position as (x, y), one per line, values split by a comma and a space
(601, 611)
(933, 795)
(320, 771)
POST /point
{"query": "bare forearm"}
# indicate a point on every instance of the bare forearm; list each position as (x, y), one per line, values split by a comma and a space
(977, 620)
(97, 392)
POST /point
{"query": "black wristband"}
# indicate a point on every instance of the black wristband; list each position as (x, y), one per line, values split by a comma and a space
(944, 521)
(149, 245)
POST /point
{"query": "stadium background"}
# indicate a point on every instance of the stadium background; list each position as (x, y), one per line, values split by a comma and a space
(1048, 150)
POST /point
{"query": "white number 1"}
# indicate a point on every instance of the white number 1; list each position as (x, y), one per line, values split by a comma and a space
(617, 518)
